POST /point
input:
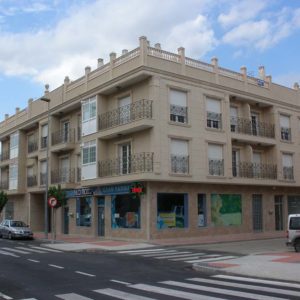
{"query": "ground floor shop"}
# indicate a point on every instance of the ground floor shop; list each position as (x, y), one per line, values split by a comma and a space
(157, 210)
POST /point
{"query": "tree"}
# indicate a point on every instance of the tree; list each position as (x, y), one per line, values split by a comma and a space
(59, 194)
(3, 200)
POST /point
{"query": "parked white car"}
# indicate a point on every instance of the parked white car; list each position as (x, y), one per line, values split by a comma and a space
(293, 231)
(15, 229)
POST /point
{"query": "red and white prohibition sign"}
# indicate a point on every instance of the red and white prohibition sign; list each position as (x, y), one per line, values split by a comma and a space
(52, 201)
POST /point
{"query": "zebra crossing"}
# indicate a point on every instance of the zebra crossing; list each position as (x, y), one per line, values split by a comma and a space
(188, 257)
(216, 287)
(16, 250)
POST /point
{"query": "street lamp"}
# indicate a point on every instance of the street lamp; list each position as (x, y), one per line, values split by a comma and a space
(45, 99)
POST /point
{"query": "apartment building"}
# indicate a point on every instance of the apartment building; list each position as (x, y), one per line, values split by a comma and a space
(156, 145)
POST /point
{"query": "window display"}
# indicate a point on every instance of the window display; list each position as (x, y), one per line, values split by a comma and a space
(84, 211)
(172, 211)
(125, 212)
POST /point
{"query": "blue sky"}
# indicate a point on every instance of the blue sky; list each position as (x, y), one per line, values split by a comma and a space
(44, 41)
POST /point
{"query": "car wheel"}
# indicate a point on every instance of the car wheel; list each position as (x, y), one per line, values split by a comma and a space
(297, 246)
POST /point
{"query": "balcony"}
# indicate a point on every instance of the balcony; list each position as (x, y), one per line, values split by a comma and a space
(63, 176)
(44, 142)
(288, 173)
(136, 163)
(4, 156)
(130, 118)
(216, 167)
(179, 164)
(4, 185)
(43, 178)
(63, 140)
(32, 147)
(31, 181)
(254, 170)
(246, 126)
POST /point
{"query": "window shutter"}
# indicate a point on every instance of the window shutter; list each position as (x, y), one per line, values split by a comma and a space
(179, 147)
(284, 121)
(44, 130)
(215, 152)
(213, 105)
(124, 101)
(287, 160)
(178, 98)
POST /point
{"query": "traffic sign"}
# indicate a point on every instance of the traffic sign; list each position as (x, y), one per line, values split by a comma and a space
(52, 201)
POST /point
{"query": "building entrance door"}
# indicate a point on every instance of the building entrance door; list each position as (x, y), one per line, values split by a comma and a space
(101, 217)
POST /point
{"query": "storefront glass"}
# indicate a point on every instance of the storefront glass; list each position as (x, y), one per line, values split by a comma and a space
(202, 210)
(294, 204)
(172, 210)
(83, 211)
(125, 211)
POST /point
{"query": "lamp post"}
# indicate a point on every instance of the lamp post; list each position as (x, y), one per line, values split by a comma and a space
(45, 99)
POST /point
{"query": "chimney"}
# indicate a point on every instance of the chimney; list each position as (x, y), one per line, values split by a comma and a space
(87, 70)
(66, 80)
(261, 72)
(100, 62)
(17, 110)
(124, 51)
(46, 89)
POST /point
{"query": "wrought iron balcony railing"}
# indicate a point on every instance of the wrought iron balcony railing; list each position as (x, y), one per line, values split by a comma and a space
(63, 136)
(178, 114)
(4, 185)
(44, 142)
(214, 120)
(246, 126)
(63, 176)
(180, 164)
(286, 134)
(43, 178)
(216, 167)
(138, 110)
(4, 155)
(135, 163)
(31, 181)
(254, 170)
(32, 146)
(288, 173)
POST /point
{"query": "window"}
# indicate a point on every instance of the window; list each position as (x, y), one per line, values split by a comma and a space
(233, 119)
(31, 143)
(124, 104)
(285, 128)
(215, 160)
(65, 132)
(172, 211)
(213, 112)
(255, 123)
(278, 202)
(179, 156)
(125, 158)
(89, 120)
(287, 166)
(235, 162)
(257, 212)
(178, 106)
(84, 211)
(31, 178)
(202, 218)
(44, 140)
(13, 176)
(125, 212)
(43, 172)
(89, 153)
(14, 145)
(257, 166)
(294, 204)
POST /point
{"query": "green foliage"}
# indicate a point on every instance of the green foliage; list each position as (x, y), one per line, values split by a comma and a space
(3, 200)
(59, 194)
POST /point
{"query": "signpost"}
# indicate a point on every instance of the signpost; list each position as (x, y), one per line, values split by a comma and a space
(52, 201)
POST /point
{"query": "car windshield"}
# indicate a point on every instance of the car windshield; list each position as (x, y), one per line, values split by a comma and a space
(295, 223)
(17, 224)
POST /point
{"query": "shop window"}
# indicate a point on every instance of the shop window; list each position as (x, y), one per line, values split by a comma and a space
(202, 218)
(125, 212)
(172, 211)
(84, 211)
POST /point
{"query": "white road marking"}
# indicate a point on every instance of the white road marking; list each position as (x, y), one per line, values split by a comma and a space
(209, 259)
(176, 255)
(121, 295)
(141, 251)
(86, 274)
(46, 249)
(160, 254)
(270, 282)
(172, 292)
(221, 291)
(15, 250)
(247, 286)
(196, 255)
(5, 296)
(33, 260)
(8, 254)
(72, 296)
(29, 299)
(31, 250)
(55, 266)
(121, 282)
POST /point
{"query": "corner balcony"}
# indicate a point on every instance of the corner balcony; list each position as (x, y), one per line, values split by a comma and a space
(63, 140)
(4, 158)
(252, 132)
(130, 118)
(255, 170)
(134, 164)
(32, 148)
(65, 177)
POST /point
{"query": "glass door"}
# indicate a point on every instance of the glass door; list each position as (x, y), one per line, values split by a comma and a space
(125, 157)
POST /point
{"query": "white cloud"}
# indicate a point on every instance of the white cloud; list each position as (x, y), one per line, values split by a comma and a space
(97, 28)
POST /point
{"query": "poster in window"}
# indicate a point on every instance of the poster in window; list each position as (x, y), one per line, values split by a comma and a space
(226, 209)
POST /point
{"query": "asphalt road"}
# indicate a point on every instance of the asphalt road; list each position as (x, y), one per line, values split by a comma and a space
(37, 273)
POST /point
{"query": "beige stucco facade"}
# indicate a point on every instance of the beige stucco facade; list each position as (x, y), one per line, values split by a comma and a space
(194, 135)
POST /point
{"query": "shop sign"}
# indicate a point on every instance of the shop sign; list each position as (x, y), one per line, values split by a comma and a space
(115, 189)
(80, 192)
